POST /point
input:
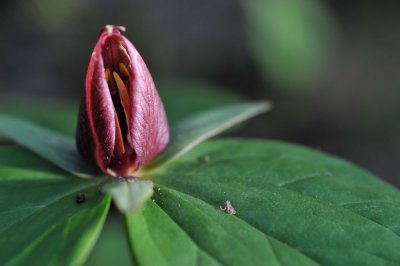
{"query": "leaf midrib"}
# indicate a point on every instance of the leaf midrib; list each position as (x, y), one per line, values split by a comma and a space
(152, 239)
(198, 248)
(207, 215)
(235, 217)
(46, 205)
(315, 199)
(334, 161)
(43, 234)
(305, 196)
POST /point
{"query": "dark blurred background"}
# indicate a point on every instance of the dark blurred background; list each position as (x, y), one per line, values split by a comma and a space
(332, 68)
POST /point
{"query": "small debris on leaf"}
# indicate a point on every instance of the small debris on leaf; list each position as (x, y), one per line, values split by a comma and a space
(228, 208)
(80, 198)
(207, 158)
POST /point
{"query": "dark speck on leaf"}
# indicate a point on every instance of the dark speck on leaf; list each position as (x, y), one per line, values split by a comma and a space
(80, 198)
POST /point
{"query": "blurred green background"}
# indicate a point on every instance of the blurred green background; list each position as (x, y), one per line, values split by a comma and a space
(332, 69)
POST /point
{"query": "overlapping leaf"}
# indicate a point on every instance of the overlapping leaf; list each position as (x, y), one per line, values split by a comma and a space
(293, 206)
(198, 128)
(52, 146)
(41, 221)
(20, 170)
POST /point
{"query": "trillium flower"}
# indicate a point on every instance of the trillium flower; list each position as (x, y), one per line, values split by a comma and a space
(122, 123)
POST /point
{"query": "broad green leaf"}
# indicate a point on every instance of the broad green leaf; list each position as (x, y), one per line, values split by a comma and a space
(198, 128)
(129, 194)
(52, 146)
(41, 221)
(294, 206)
(152, 231)
(159, 241)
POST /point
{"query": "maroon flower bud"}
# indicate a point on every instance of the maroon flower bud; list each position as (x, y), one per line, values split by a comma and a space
(122, 123)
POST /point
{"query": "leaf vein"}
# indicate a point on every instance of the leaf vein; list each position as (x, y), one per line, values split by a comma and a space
(237, 217)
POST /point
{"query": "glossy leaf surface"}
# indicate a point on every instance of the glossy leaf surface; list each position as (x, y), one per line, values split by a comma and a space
(200, 127)
(47, 216)
(293, 206)
(52, 146)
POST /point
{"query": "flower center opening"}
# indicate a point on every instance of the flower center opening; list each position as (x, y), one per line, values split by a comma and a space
(117, 64)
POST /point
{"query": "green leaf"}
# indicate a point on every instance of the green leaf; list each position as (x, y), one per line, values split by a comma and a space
(129, 194)
(198, 128)
(52, 146)
(41, 221)
(294, 206)
(159, 241)
(152, 231)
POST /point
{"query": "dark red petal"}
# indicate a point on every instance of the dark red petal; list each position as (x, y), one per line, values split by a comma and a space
(123, 135)
(149, 132)
(100, 110)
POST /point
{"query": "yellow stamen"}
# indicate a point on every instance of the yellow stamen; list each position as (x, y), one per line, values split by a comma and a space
(124, 71)
(119, 141)
(124, 96)
(123, 49)
(108, 75)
